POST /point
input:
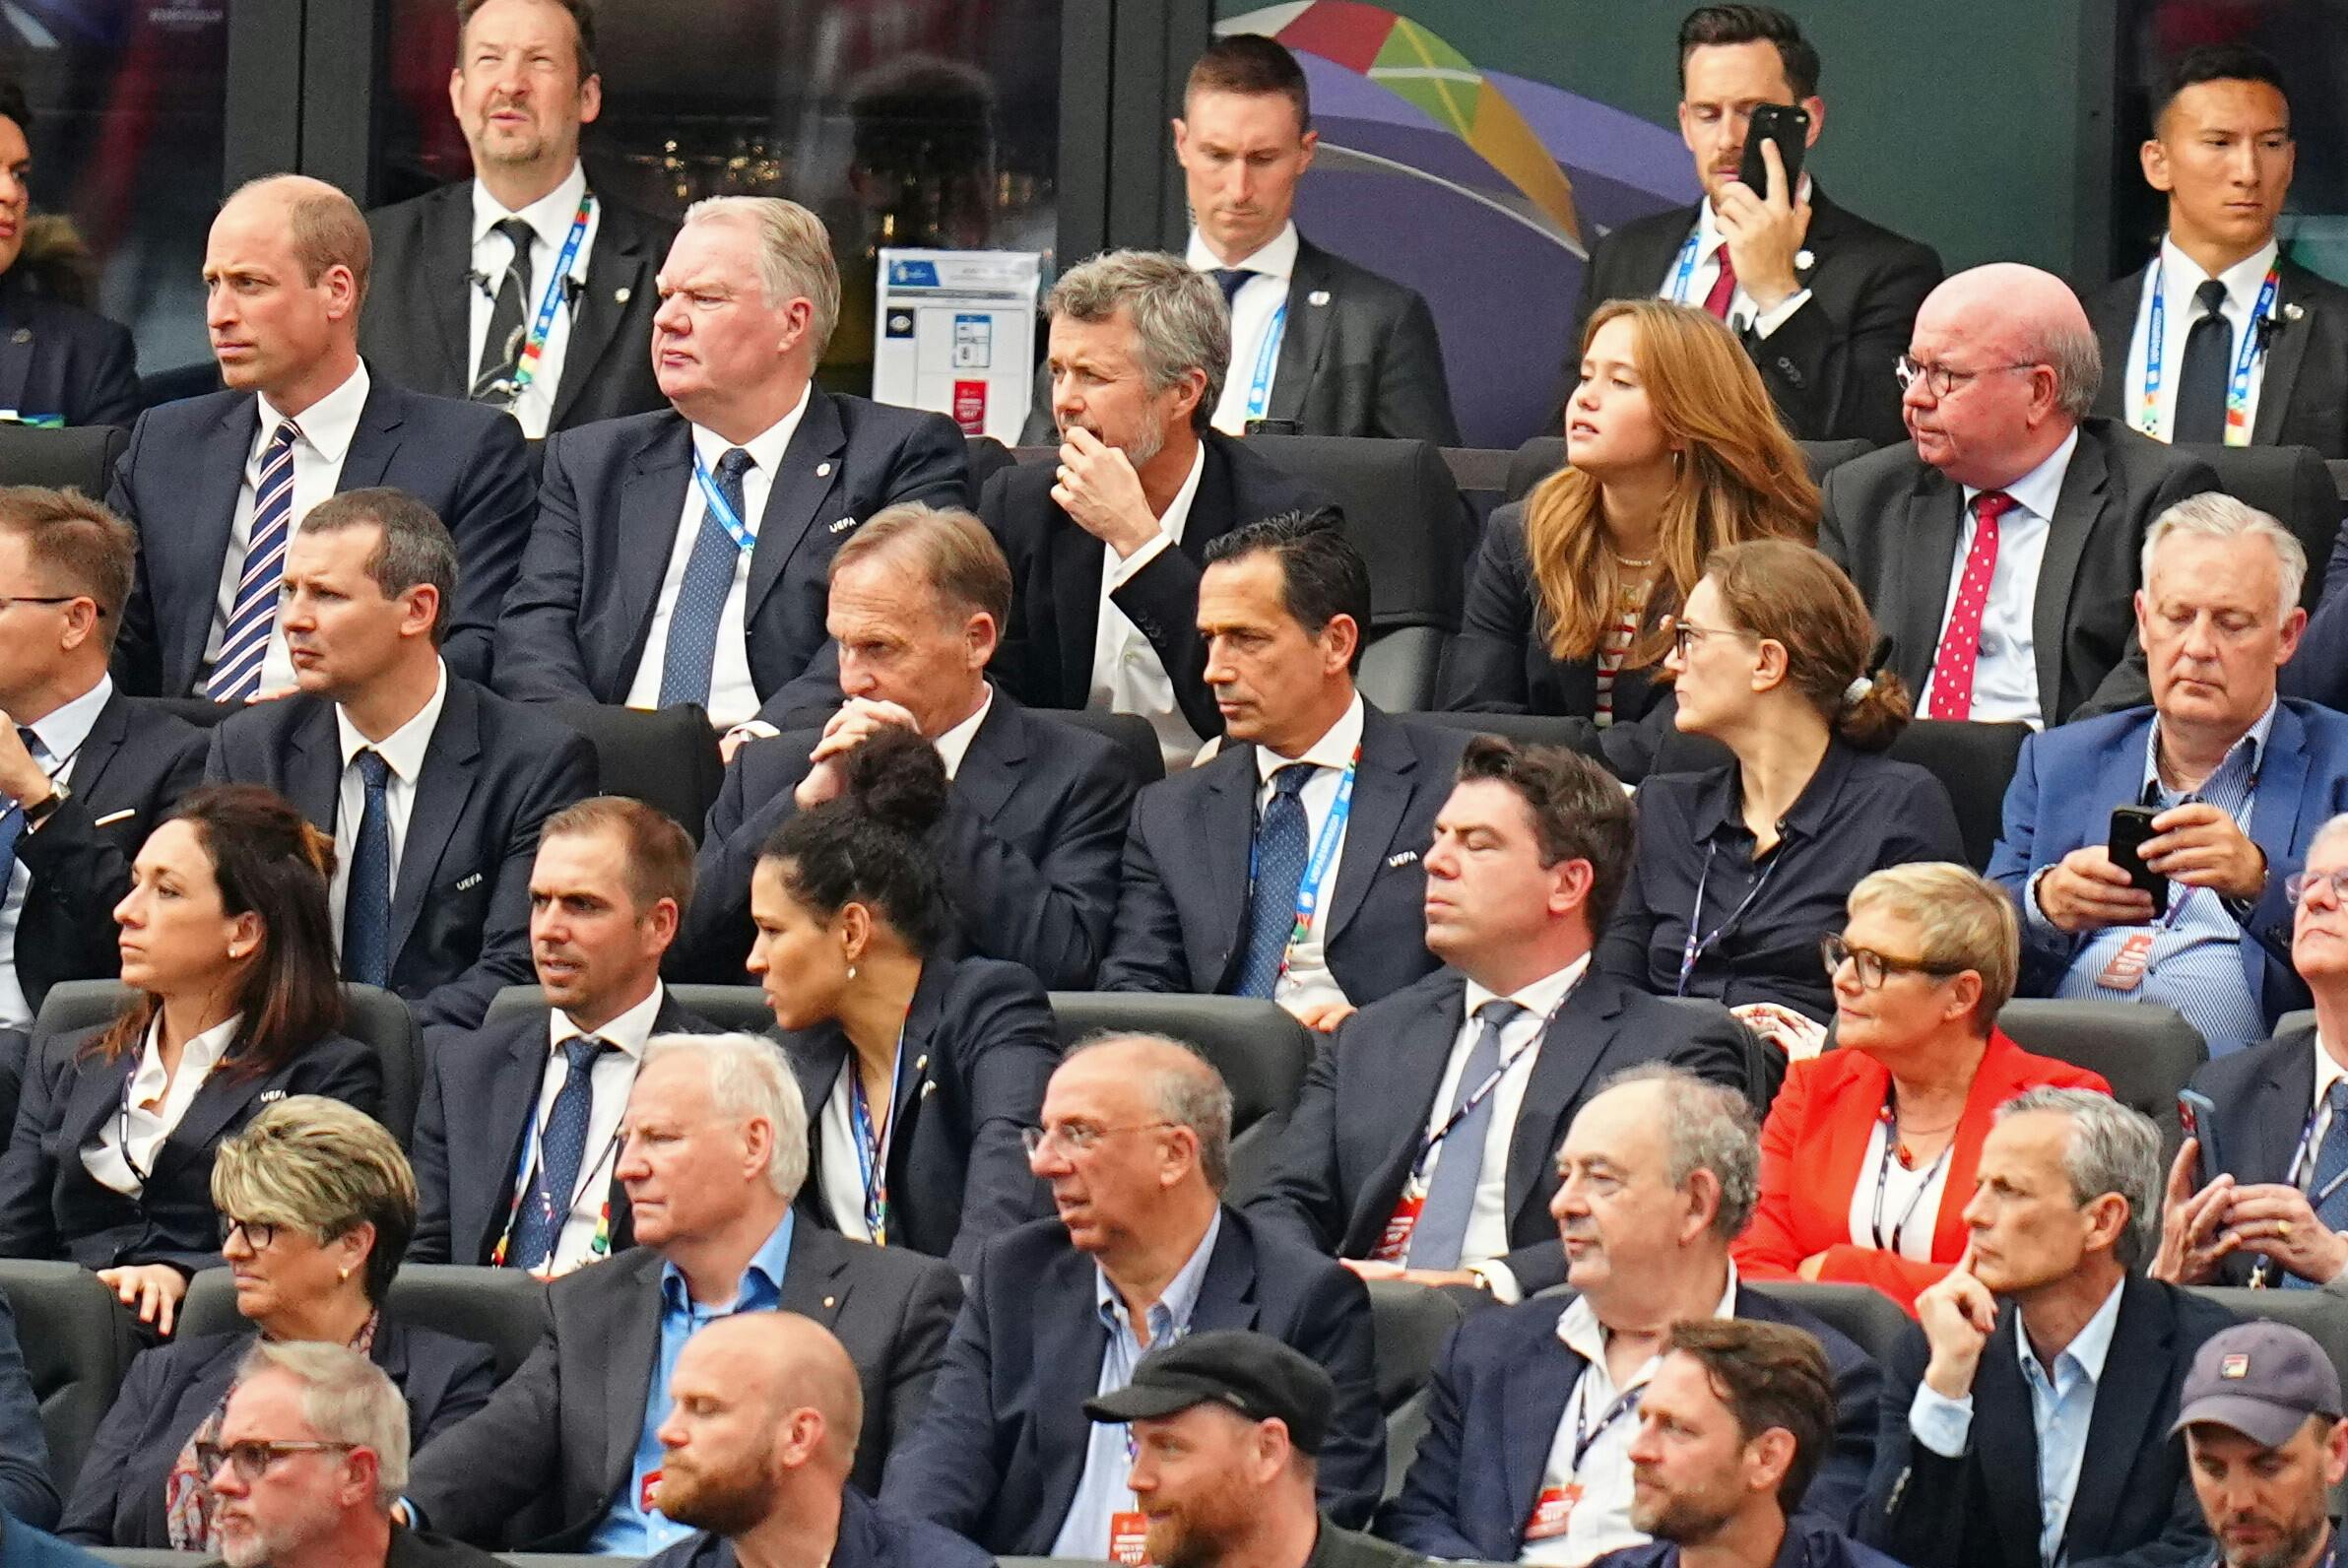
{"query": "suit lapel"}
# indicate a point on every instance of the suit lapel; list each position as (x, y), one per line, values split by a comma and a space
(989, 770)
(1414, 1076)
(510, 1100)
(917, 1063)
(314, 763)
(218, 1099)
(1077, 564)
(1304, 339)
(442, 787)
(634, 1347)
(1537, 1390)
(211, 515)
(105, 742)
(97, 1095)
(1577, 1042)
(1935, 522)
(2128, 1397)
(814, 1279)
(817, 1056)
(651, 509)
(2282, 771)
(1381, 795)
(449, 276)
(2077, 508)
(2011, 1477)
(17, 347)
(373, 444)
(2286, 350)
(2285, 1096)
(811, 472)
(1069, 1345)
(1223, 831)
(1227, 1290)
(596, 311)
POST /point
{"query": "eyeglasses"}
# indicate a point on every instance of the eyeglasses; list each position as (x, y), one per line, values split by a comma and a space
(1684, 632)
(1075, 1138)
(1941, 380)
(255, 1455)
(9, 600)
(1874, 968)
(2298, 885)
(258, 1233)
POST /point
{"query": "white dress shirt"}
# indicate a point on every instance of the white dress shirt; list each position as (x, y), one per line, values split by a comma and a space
(1307, 982)
(1710, 243)
(2328, 1073)
(550, 219)
(403, 755)
(2006, 675)
(610, 1080)
(1128, 675)
(1910, 1200)
(732, 696)
(2180, 277)
(150, 1107)
(327, 428)
(61, 734)
(955, 743)
(1253, 307)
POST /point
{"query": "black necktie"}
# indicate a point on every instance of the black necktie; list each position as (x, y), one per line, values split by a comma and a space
(1231, 279)
(502, 345)
(2208, 365)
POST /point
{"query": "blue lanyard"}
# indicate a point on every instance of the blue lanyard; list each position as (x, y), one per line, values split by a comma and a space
(1695, 947)
(2237, 387)
(743, 534)
(1685, 272)
(871, 1149)
(1316, 869)
(557, 288)
(1260, 389)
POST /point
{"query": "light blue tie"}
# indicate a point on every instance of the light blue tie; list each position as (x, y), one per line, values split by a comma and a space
(252, 614)
(1442, 1228)
(366, 899)
(701, 598)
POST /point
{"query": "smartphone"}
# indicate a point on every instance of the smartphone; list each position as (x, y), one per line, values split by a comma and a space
(1788, 125)
(1273, 427)
(2197, 1113)
(2131, 825)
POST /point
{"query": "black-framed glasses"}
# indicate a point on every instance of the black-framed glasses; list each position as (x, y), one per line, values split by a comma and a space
(1941, 380)
(7, 601)
(250, 1458)
(1075, 1138)
(1875, 967)
(1684, 632)
(258, 1233)
(2299, 884)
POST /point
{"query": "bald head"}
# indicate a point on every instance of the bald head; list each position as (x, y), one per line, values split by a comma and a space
(2029, 317)
(2007, 367)
(1172, 1082)
(325, 226)
(794, 1363)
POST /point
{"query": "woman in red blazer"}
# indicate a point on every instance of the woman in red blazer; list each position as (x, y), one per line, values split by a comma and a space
(1868, 1155)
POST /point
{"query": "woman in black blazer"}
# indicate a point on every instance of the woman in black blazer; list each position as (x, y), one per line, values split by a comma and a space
(919, 1071)
(229, 951)
(59, 362)
(318, 1203)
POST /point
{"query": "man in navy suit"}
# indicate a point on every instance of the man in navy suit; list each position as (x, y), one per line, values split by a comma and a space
(1037, 815)
(679, 556)
(1220, 860)
(216, 484)
(58, 363)
(2241, 780)
(517, 1133)
(432, 788)
(83, 772)
(1136, 1144)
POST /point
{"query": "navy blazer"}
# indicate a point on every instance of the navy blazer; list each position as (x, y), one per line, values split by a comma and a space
(1029, 841)
(23, 1546)
(61, 359)
(26, 1491)
(476, 1113)
(978, 1047)
(2135, 1503)
(2075, 774)
(2263, 1096)
(51, 1207)
(1341, 1163)
(1001, 1449)
(118, 1500)
(132, 769)
(870, 1535)
(1182, 910)
(1809, 1542)
(178, 481)
(613, 497)
(1499, 1390)
(493, 772)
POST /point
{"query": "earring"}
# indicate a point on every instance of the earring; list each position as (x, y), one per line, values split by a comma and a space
(346, 1276)
(851, 971)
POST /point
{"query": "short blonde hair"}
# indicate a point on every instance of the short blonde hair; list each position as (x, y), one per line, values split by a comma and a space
(321, 1167)
(1964, 921)
(794, 254)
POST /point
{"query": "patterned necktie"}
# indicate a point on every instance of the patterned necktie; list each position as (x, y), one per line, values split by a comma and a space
(1442, 1228)
(252, 616)
(1231, 279)
(12, 820)
(1960, 643)
(2207, 367)
(502, 345)
(1723, 287)
(701, 598)
(2331, 1163)
(366, 898)
(1280, 873)
(561, 1150)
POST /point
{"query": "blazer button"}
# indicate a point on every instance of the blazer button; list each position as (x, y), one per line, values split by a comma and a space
(831, 1301)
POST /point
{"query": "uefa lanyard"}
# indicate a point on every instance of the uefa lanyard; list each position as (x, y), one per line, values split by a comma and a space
(1316, 869)
(1477, 1095)
(2237, 387)
(743, 535)
(557, 288)
(1260, 388)
(1586, 1436)
(1695, 947)
(872, 1146)
(601, 1243)
(1685, 272)
(1891, 1135)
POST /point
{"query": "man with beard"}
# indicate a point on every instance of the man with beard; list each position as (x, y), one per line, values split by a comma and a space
(756, 1451)
(2260, 1415)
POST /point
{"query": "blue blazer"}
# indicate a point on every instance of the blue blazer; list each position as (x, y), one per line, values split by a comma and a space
(493, 772)
(177, 484)
(613, 497)
(26, 1491)
(1183, 908)
(23, 1546)
(1029, 841)
(62, 359)
(871, 1536)
(2068, 780)
(118, 1501)
(998, 1456)
(1499, 1391)
(1809, 1542)
(2262, 1094)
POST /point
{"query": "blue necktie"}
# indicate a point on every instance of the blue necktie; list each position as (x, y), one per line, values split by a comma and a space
(701, 597)
(1280, 854)
(1442, 1228)
(252, 614)
(366, 898)
(561, 1150)
(2331, 1163)
(12, 820)
(1231, 279)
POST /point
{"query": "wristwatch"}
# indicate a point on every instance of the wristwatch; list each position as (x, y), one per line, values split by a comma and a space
(42, 810)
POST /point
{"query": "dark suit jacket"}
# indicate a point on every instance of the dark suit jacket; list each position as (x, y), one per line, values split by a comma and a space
(1499, 1391)
(565, 1427)
(1029, 842)
(2134, 1502)
(871, 1536)
(177, 484)
(1344, 1157)
(1001, 1449)
(51, 1207)
(26, 1491)
(62, 359)
(1809, 1542)
(1183, 910)
(493, 772)
(1828, 365)
(418, 321)
(479, 1102)
(2303, 392)
(613, 498)
(118, 1501)
(1892, 522)
(978, 1047)
(135, 766)
(2263, 1096)
(1046, 656)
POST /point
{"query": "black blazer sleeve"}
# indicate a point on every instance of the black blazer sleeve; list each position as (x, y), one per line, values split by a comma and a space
(428, 1156)
(1051, 911)
(537, 640)
(448, 1379)
(490, 514)
(1916, 1500)
(1828, 367)
(1005, 1046)
(138, 649)
(1423, 1515)
(1145, 947)
(1303, 1199)
(1485, 668)
(101, 380)
(28, 1217)
(499, 1463)
(1413, 394)
(1161, 600)
(26, 1491)
(946, 1468)
(93, 1514)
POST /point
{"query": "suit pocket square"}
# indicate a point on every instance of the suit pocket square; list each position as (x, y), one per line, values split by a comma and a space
(1396, 862)
(472, 880)
(111, 818)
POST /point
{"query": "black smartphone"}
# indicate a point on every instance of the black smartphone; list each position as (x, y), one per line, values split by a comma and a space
(1275, 427)
(2131, 825)
(1788, 125)
(2197, 1113)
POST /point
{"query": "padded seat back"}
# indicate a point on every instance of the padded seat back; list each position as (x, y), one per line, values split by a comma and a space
(79, 457)
(666, 757)
(1402, 512)
(1974, 762)
(2291, 484)
(501, 1308)
(1861, 1314)
(75, 1341)
(2145, 1051)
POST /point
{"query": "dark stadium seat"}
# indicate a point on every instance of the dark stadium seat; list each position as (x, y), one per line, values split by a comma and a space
(1400, 669)
(80, 457)
(501, 1308)
(1544, 455)
(2292, 485)
(1974, 762)
(1135, 739)
(1863, 1313)
(988, 457)
(666, 757)
(76, 1339)
(2145, 1051)
(1408, 1325)
(739, 1007)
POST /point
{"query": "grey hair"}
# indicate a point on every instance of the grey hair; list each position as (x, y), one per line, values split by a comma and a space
(1706, 1128)
(794, 256)
(2112, 1150)
(345, 1399)
(1198, 1099)
(1179, 317)
(748, 1078)
(2332, 827)
(2213, 514)
(2077, 360)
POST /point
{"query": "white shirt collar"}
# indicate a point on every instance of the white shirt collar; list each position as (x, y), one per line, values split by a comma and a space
(64, 729)
(328, 425)
(2088, 1347)
(2181, 276)
(549, 217)
(2327, 1070)
(1580, 1331)
(629, 1031)
(955, 743)
(2038, 491)
(1335, 749)
(1275, 258)
(766, 448)
(1177, 515)
(1540, 999)
(404, 747)
(197, 1058)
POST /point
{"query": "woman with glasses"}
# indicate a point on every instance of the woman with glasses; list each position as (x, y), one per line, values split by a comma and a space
(1868, 1155)
(316, 1204)
(1743, 868)
(1673, 450)
(228, 954)
(919, 1068)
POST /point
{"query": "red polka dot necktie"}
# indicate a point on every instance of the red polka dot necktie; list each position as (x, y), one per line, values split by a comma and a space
(1960, 643)
(1723, 287)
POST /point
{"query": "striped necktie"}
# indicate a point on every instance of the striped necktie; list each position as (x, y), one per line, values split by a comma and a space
(252, 616)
